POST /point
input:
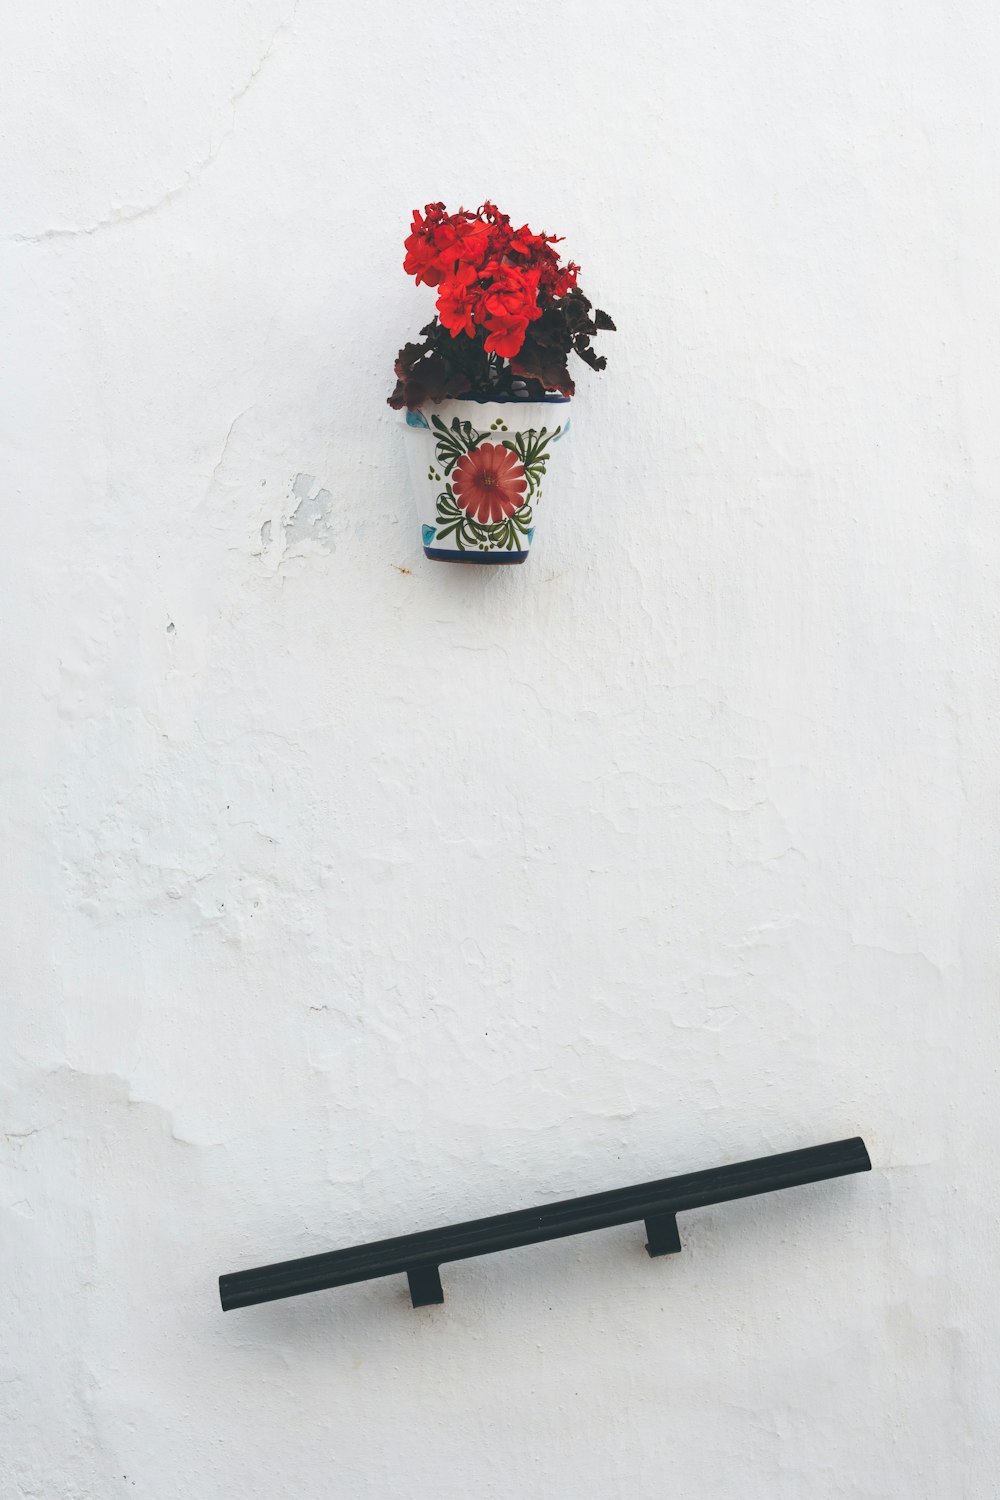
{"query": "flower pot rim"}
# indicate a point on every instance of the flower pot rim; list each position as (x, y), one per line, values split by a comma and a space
(553, 398)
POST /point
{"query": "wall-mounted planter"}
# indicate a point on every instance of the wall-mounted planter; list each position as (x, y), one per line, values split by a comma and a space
(478, 470)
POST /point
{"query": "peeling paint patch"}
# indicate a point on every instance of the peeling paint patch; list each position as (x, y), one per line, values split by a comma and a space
(310, 521)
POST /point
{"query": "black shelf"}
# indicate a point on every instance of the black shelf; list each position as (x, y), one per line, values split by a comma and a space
(419, 1256)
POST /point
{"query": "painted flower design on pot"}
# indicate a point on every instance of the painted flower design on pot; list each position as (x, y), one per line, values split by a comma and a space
(489, 483)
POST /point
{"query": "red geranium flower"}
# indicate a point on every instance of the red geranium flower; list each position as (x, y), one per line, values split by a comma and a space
(509, 311)
(511, 304)
(506, 334)
(421, 250)
(457, 301)
(438, 242)
(489, 483)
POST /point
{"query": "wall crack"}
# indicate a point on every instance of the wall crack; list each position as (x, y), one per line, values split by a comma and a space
(191, 176)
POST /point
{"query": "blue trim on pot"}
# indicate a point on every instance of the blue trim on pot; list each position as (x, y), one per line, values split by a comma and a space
(445, 554)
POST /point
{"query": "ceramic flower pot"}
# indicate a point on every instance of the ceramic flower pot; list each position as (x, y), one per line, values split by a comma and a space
(478, 469)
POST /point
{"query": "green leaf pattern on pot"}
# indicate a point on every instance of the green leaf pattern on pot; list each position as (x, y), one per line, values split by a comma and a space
(512, 533)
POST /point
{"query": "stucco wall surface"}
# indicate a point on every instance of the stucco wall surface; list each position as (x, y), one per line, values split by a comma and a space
(345, 894)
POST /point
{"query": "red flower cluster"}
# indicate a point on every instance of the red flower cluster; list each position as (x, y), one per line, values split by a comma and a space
(509, 313)
(492, 278)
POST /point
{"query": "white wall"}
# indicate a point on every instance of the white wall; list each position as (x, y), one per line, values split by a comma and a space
(346, 894)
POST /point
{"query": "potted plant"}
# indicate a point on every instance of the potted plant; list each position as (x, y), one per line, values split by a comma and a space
(485, 392)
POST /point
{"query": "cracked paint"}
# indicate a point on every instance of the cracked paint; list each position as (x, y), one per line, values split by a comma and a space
(130, 215)
(310, 521)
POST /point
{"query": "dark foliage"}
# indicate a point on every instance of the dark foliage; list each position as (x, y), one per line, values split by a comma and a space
(446, 364)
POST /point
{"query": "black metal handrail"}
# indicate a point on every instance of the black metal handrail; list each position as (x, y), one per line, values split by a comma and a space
(657, 1203)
